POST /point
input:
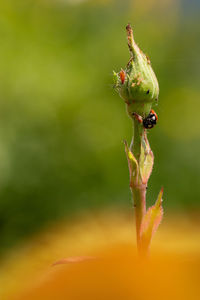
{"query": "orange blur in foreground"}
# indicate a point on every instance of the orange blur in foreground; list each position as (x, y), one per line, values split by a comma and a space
(109, 268)
(117, 274)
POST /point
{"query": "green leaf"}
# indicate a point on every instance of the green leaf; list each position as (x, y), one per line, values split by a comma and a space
(132, 164)
(146, 160)
(115, 79)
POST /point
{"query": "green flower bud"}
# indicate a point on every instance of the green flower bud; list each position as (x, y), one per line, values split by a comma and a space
(137, 84)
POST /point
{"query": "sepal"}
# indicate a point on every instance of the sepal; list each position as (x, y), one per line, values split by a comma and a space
(146, 160)
(132, 165)
(151, 222)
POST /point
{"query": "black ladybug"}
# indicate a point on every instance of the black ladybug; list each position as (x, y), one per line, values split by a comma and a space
(151, 120)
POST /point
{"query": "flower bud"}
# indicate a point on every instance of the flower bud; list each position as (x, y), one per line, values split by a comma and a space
(137, 84)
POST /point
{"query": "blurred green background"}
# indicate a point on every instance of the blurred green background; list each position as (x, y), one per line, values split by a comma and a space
(61, 123)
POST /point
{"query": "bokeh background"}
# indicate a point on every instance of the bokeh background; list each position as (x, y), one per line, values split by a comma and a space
(61, 123)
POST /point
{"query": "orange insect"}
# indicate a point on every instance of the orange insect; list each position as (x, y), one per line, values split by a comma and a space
(122, 75)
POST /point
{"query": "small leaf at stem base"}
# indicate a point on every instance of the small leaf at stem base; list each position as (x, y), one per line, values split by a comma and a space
(151, 222)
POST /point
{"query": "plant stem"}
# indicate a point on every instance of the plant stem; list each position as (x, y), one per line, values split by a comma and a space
(139, 199)
(138, 133)
(138, 86)
(139, 188)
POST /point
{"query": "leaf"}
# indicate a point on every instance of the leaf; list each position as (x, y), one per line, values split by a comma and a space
(146, 160)
(132, 164)
(151, 222)
(115, 79)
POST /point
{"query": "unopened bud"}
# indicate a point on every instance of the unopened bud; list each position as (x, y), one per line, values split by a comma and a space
(137, 83)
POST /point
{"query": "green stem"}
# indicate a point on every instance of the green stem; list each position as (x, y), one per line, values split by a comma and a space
(138, 86)
(138, 132)
(139, 188)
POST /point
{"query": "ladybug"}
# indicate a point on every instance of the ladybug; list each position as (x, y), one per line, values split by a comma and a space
(151, 120)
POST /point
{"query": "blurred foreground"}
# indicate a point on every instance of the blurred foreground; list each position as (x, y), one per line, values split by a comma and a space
(172, 271)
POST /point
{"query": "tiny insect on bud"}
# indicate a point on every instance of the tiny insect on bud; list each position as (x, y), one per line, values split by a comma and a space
(122, 75)
(151, 120)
